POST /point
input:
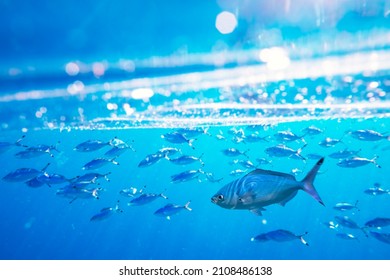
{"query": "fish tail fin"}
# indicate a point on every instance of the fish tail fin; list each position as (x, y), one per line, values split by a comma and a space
(163, 196)
(17, 142)
(303, 240)
(186, 206)
(299, 151)
(105, 176)
(356, 205)
(364, 231)
(309, 179)
(373, 160)
(46, 166)
(190, 143)
(244, 153)
(206, 131)
(117, 208)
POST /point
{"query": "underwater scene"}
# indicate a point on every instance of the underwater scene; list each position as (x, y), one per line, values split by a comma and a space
(265, 138)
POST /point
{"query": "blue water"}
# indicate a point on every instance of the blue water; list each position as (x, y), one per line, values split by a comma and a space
(135, 72)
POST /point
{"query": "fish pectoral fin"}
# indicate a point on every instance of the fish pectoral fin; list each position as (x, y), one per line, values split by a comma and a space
(257, 211)
(247, 198)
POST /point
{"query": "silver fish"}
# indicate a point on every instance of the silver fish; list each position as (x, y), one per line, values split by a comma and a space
(279, 235)
(129, 192)
(346, 221)
(378, 222)
(184, 160)
(171, 209)
(284, 151)
(347, 236)
(263, 161)
(344, 206)
(237, 132)
(344, 154)
(23, 174)
(376, 190)
(237, 172)
(186, 176)
(91, 177)
(368, 135)
(98, 162)
(192, 132)
(168, 151)
(383, 237)
(91, 145)
(254, 138)
(34, 183)
(177, 138)
(74, 193)
(357, 162)
(118, 148)
(233, 152)
(106, 213)
(287, 136)
(210, 177)
(52, 178)
(261, 188)
(329, 142)
(145, 198)
(36, 151)
(312, 130)
(150, 160)
(331, 225)
(4, 146)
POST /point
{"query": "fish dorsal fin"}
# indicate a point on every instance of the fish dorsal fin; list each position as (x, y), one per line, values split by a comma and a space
(271, 173)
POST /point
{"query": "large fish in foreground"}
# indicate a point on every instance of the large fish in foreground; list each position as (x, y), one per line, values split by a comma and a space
(261, 188)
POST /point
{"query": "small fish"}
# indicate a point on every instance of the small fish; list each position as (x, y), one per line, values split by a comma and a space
(52, 179)
(168, 151)
(263, 161)
(344, 206)
(383, 237)
(129, 192)
(368, 135)
(312, 130)
(378, 222)
(237, 172)
(210, 177)
(357, 162)
(347, 236)
(91, 145)
(376, 190)
(171, 209)
(23, 174)
(344, 154)
(220, 137)
(192, 132)
(91, 177)
(246, 164)
(74, 193)
(5, 146)
(261, 188)
(254, 138)
(98, 162)
(331, 225)
(36, 151)
(118, 148)
(186, 176)
(145, 198)
(279, 235)
(106, 213)
(284, 151)
(314, 156)
(233, 152)
(177, 138)
(287, 136)
(184, 160)
(150, 160)
(329, 142)
(346, 221)
(34, 183)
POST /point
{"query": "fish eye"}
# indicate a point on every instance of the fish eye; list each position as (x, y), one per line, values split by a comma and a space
(220, 197)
